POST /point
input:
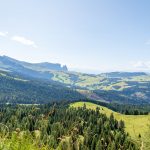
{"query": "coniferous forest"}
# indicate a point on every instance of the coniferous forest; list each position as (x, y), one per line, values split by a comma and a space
(57, 126)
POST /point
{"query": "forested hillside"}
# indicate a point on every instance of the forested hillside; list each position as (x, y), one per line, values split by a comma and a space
(138, 126)
(17, 89)
(55, 126)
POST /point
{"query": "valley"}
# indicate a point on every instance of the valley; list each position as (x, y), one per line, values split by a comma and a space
(74, 75)
(120, 87)
(40, 94)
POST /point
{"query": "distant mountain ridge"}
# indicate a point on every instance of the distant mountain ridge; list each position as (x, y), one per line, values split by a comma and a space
(46, 65)
(37, 70)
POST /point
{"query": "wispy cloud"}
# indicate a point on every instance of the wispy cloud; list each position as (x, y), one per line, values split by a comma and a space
(24, 41)
(141, 64)
(4, 34)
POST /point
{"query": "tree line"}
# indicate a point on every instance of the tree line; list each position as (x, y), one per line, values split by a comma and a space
(127, 109)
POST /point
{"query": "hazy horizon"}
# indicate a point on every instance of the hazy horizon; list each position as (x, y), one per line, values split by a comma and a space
(92, 37)
(80, 70)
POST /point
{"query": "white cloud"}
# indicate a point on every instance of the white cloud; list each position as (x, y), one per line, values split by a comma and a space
(24, 41)
(141, 65)
(4, 34)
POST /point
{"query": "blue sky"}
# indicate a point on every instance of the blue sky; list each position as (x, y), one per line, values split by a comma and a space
(90, 36)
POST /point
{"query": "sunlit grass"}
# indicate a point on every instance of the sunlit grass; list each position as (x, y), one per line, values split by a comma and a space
(134, 125)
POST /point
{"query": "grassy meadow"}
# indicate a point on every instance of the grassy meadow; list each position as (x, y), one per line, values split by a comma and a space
(134, 125)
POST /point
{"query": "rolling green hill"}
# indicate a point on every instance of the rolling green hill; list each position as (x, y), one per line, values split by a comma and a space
(134, 125)
(134, 88)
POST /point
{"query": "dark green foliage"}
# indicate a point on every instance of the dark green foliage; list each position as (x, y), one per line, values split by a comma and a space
(14, 89)
(123, 108)
(86, 129)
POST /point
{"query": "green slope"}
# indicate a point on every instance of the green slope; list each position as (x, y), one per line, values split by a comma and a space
(18, 89)
(130, 89)
(134, 125)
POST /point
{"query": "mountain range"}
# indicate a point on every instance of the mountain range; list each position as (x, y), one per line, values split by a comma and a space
(120, 87)
(30, 69)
